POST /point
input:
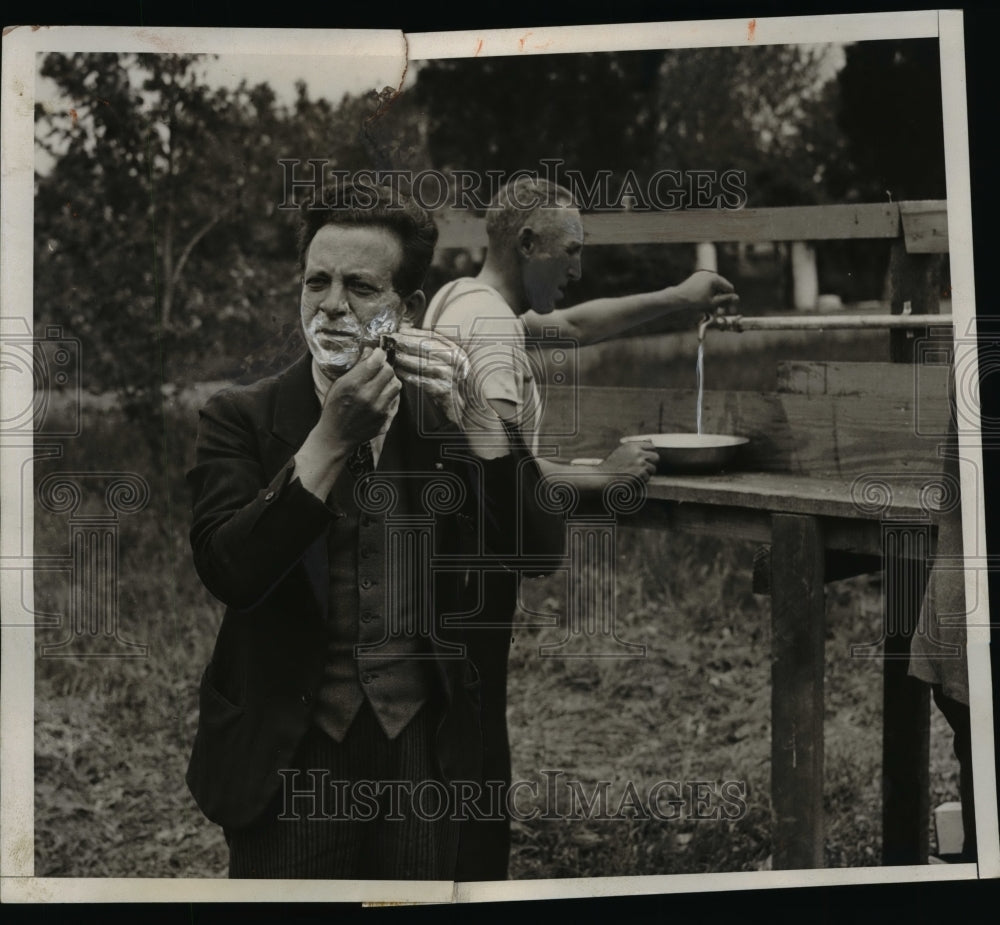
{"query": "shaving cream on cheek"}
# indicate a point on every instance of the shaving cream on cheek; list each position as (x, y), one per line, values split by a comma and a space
(386, 321)
(335, 355)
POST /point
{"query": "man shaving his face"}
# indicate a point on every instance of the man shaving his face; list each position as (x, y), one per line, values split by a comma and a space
(334, 667)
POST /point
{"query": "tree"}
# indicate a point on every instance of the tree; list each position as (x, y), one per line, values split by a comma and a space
(159, 237)
(765, 110)
(891, 117)
(152, 177)
(762, 109)
(506, 113)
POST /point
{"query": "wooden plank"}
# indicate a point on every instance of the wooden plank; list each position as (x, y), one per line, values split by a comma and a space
(817, 435)
(852, 535)
(748, 524)
(800, 377)
(905, 700)
(925, 226)
(837, 565)
(796, 223)
(793, 494)
(798, 618)
(803, 377)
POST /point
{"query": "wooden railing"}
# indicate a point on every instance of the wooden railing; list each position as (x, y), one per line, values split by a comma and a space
(921, 225)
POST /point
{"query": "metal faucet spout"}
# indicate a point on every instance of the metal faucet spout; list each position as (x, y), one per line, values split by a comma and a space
(703, 326)
(722, 322)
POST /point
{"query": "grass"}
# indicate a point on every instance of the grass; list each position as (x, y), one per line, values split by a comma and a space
(696, 708)
(112, 736)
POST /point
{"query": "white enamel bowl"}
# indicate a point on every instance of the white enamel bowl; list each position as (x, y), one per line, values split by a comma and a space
(692, 452)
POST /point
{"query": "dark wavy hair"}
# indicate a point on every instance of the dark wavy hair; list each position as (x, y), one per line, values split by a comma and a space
(377, 206)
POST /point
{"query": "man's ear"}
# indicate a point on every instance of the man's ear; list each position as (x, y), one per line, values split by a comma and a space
(525, 241)
(414, 306)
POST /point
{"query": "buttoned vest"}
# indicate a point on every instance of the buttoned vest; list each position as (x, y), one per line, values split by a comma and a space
(374, 650)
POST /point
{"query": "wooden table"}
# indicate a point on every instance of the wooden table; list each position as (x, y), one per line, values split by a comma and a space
(839, 479)
(819, 529)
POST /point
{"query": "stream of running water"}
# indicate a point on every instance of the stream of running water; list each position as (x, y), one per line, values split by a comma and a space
(701, 379)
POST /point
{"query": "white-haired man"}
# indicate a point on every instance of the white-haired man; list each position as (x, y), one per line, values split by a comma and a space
(536, 239)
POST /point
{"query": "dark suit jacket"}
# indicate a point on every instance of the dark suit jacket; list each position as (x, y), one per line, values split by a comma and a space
(259, 543)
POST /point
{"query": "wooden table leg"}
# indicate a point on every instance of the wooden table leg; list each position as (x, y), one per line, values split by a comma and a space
(798, 619)
(905, 700)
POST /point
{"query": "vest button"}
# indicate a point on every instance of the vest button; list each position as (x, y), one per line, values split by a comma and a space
(368, 678)
(366, 583)
(367, 617)
(365, 552)
(306, 697)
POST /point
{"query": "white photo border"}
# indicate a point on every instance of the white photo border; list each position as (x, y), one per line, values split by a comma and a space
(17, 648)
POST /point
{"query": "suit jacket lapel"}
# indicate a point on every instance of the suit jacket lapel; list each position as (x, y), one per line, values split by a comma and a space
(296, 408)
(399, 437)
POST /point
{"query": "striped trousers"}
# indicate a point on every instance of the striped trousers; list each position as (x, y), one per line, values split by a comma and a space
(367, 808)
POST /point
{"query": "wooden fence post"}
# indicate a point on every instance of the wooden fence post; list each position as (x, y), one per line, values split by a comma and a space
(914, 283)
(914, 280)
(905, 700)
(798, 619)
